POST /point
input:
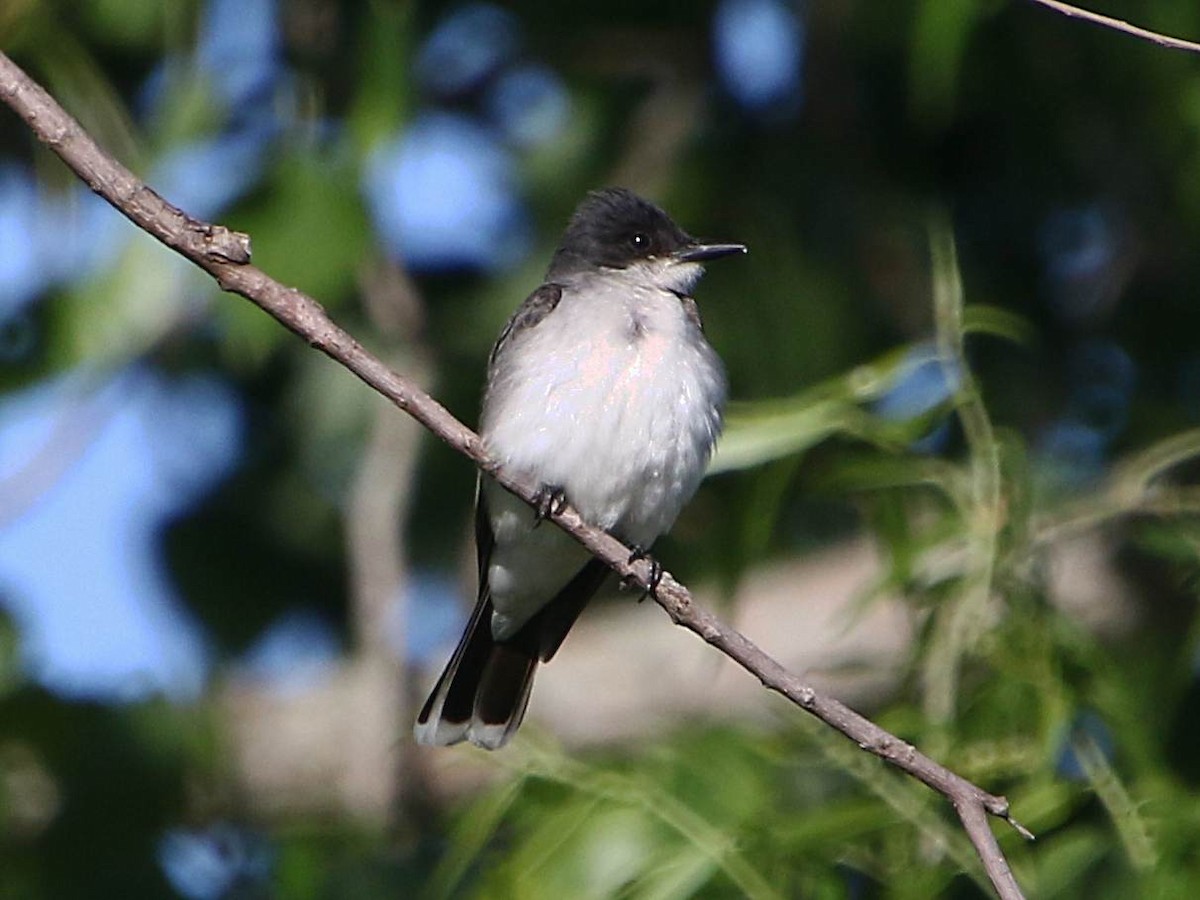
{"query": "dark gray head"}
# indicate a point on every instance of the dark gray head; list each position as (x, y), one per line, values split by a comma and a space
(614, 228)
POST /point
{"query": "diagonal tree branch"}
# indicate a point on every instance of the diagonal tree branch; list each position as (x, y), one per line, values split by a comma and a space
(226, 256)
(1145, 34)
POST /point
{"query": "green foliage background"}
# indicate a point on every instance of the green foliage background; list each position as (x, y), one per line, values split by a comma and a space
(902, 205)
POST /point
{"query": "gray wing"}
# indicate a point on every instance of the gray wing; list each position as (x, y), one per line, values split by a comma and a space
(536, 307)
(541, 636)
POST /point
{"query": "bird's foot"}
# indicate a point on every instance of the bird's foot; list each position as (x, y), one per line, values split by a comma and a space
(550, 501)
(656, 572)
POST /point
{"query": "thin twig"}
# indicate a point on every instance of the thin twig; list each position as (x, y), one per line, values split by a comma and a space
(226, 256)
(1163, 40)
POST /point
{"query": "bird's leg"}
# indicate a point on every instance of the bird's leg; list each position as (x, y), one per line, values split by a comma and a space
(550, 501)
(656, 572)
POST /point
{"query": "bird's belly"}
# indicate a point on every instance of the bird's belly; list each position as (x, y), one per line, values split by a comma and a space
(624, 426)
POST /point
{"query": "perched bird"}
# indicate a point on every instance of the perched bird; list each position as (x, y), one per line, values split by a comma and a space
(603, 389)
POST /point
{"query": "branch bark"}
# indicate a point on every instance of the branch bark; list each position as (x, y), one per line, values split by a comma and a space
(226, 256)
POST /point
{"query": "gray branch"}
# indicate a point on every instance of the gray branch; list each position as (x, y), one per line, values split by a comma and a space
(1120, 25)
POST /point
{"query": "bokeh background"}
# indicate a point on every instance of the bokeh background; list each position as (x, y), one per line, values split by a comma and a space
(227, 570)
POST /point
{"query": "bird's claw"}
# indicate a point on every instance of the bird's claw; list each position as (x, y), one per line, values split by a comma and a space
(551, 500)
(656, 572)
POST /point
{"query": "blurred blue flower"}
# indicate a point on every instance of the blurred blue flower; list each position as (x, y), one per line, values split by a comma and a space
(1101, 376)
(1071, 452)
(759, 51)
(80, 234)
(22, 271)
(529, 105)
(194, 432)
(297, 652)
(1079, 248)
(47, 239)
(240, 56)
(213, 862)
(239, 49)
(434, 619)
(922, 382)
(80, 552)
(1104, 408)
(1076, 243)
(442, 196)
(465, 48)
(205, 177)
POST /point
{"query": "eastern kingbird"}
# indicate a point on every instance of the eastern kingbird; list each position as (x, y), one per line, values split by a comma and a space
(603, 389)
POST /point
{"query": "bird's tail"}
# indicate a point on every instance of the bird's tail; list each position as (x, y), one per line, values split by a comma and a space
(483, 692)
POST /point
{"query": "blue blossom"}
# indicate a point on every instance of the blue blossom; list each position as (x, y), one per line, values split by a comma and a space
(759, 51)
(442, 196)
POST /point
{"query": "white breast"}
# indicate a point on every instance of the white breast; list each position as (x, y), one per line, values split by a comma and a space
(615, 397)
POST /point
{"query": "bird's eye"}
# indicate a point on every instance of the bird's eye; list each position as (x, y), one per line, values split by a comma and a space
(640, 242)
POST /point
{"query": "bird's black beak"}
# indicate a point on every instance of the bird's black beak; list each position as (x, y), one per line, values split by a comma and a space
(703, 252)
